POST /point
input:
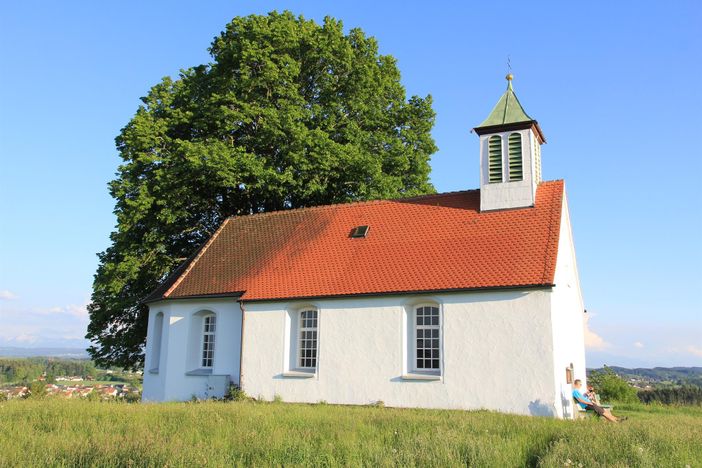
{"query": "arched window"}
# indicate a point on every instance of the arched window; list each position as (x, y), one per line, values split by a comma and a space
(209, 327)
(156, 342)
(514, 144)
(495, 159)
(427, 335)
(307, 339)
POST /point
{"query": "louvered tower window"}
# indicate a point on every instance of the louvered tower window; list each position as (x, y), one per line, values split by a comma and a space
(495, 159)
(515, 157)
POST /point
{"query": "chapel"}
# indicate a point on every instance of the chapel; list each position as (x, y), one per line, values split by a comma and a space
(463, 300)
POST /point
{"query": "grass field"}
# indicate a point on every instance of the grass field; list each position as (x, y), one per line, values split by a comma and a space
(82, 433)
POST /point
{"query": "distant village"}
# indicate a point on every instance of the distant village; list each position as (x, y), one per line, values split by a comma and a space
(656, 378)
(68, 390)
(641, 383)
(91, 383)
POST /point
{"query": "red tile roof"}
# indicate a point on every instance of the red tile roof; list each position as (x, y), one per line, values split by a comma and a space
(431, 243)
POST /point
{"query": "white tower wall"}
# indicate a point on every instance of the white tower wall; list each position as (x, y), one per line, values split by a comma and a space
(517, 194)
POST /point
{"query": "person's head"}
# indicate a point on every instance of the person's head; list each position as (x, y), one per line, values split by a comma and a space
(590, 388)
(577, 383)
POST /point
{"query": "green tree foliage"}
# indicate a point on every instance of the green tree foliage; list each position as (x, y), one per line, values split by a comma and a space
(92, 396)
(288, 114)
(132, 397)
(37, 390)
(684, 395)
(611, 387)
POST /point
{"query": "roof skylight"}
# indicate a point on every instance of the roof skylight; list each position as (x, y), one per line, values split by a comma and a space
(359, 231)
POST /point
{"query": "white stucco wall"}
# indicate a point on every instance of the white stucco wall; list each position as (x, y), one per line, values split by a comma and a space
(181, 348)
(497, 352)
(567, 318)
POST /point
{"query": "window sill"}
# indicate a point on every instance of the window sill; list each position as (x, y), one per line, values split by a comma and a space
(414, 376)
(153, 371)
(199, 372)
(299, 374)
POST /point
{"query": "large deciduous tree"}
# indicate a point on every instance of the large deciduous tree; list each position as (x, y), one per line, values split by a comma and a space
(288, 114)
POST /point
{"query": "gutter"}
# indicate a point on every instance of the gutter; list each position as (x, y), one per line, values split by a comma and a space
(410, 292)
(194, 296)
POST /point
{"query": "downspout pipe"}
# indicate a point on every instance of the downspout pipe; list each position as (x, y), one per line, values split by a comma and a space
(241, 344)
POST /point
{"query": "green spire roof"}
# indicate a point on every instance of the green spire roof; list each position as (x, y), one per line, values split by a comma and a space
(508, 109)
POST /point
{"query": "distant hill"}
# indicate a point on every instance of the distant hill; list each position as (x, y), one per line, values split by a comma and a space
(658, 376)
(74, 353)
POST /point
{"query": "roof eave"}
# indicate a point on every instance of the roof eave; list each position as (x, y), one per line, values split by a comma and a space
(533, 124)
(236, 295)
(399, 293)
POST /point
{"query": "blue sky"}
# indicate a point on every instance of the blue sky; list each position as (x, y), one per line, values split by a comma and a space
(612, 84)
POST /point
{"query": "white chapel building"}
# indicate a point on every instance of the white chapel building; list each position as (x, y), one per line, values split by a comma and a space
(464, 300)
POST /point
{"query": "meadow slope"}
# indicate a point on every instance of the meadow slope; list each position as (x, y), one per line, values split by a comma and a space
(82, 433)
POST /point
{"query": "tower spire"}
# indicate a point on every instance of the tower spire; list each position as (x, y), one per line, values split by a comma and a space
(508, 111)
(510, 154)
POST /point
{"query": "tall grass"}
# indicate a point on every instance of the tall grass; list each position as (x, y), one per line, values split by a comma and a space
(83, 433)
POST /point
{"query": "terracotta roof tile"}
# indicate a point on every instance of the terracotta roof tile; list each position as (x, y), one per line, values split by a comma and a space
(435, 242)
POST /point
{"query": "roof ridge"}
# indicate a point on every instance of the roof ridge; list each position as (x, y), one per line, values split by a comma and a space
(441, 194)
(367, 202)
(352, 203)
(195, 260)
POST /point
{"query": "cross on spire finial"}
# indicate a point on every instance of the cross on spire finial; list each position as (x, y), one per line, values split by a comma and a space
(509, 72)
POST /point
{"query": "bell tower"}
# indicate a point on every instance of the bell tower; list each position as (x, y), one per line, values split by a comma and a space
(510, 155)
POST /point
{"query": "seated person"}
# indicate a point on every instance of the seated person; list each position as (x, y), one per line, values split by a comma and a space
(592, 396)
(585, 403)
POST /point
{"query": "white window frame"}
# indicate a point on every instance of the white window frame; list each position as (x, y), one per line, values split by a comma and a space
(410, 371)
(209, 319)
(432, 327)
(300, 339)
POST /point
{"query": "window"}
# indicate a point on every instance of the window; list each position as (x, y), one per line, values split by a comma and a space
(514, 144)
(301, 355)
(202, 336)
(428, 338)
(495, 159)
(156, 343)
(209, 326)
(307, 342)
